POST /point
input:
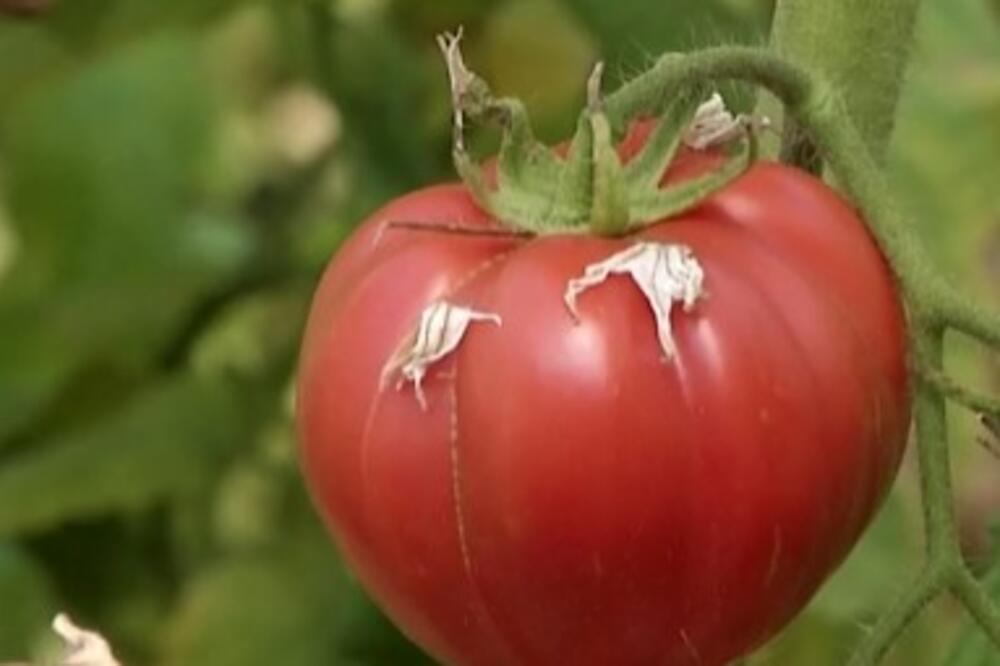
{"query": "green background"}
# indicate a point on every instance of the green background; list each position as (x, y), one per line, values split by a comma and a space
(174, 174)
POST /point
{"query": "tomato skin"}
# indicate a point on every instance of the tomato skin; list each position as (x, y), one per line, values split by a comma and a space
(569, 496)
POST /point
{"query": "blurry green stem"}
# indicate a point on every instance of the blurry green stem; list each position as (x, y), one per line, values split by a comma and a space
(915, 597)
(934, 305)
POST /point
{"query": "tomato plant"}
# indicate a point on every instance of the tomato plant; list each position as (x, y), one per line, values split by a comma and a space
(561, 486)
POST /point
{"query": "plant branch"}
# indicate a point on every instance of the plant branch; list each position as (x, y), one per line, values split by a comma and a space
(933, 304)
(928, 585)
(930, 419)
(968, 590)
(970, 318)
(953, 390)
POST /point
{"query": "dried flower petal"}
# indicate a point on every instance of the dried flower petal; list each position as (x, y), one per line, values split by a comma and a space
(714, 125)
(441, 328)
(83, 648)
(459, 77)
(665, 273)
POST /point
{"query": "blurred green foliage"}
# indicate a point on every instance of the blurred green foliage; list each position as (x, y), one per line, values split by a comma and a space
(173, 176)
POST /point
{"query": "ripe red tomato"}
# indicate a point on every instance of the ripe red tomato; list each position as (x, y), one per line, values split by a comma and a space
(570, 496)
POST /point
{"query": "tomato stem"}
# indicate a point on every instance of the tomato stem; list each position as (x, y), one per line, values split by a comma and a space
(984, 611)
(915, 597)
(986, 406)
(934, 305)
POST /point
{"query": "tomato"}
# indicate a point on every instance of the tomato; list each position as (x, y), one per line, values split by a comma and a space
(567, 494)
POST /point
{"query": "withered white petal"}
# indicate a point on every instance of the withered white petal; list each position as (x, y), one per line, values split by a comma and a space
(439, 331)
(459, 78)
(666, 273)
(713, 125)
(83, 648)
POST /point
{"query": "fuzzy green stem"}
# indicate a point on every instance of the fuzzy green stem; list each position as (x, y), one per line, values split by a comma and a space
(915, 597)
(864, 60)
(609, 209)
(820, 111)
(933, 304)
(985, 405)
(935, 466)
(650, 92)
(969, 318)
(973, 596)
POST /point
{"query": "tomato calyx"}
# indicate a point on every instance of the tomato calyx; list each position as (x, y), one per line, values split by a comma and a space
(590, 189)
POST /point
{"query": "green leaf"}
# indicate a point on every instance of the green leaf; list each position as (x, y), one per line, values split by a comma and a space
(90, 27)
(378, 82)
(257, 611)
(646, 169)
(27, 602)
(129, 17)
(291, 602)
(253, 334)
(945, 161)
(27, 54)
(103, 163)
(948, 177)
(168, 440)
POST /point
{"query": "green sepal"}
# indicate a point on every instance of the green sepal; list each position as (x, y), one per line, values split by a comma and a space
(528, 172)
(475, 180)
(656, 205)
(645, 171)
(574, 192)
(609, 206)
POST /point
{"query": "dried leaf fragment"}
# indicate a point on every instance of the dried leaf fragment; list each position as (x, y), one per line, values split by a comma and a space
(714, 124)
(666, 273)
(83, 648)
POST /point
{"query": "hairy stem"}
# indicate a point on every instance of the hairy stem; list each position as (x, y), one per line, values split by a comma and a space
(970, 592)
(984, 405)
(928, 585)
(932, 449)
(933, 304)
(970, 318)
(865, 62)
